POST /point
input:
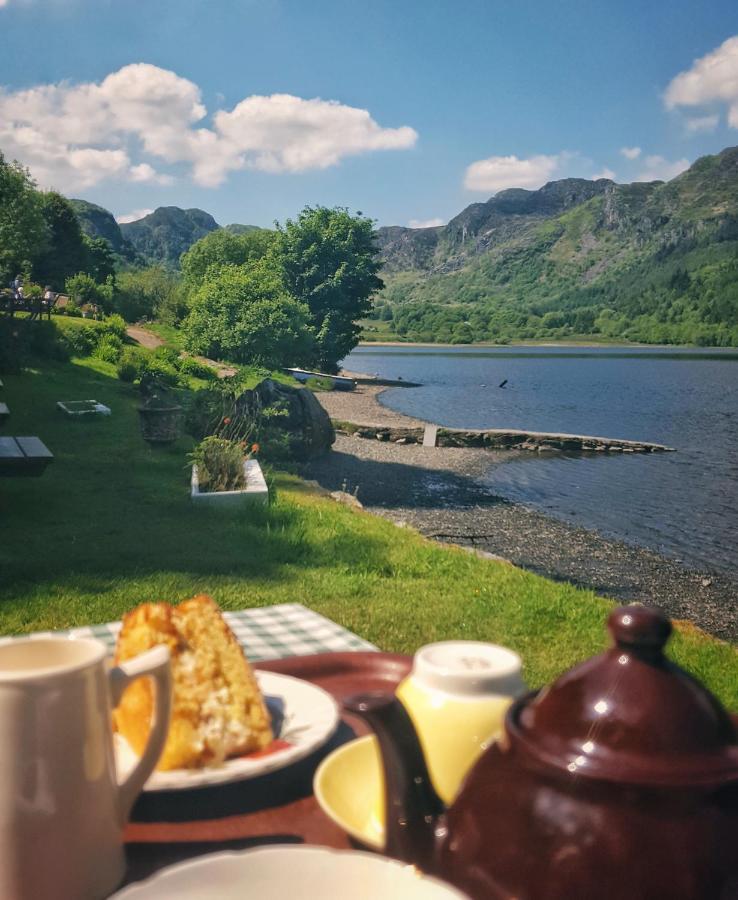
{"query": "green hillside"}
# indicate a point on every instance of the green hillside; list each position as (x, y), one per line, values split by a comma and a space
(645, 262)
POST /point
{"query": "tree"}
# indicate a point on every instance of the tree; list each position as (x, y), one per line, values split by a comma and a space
(222, 248)
(23, 233)
(242, 314)
(150, 293)
(65, 252)
(84, 290)
(330, 263)
(99, 262)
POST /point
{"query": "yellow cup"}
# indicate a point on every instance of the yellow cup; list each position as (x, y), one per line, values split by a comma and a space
(457, 695)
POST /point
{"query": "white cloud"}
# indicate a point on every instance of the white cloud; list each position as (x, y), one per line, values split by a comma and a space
(133, 216)
(660, 169)
(73, 136)
(499, 172)
(425, 223)
(146, 173)
(696, 124)
(711, 79)
(605, 173)
(631, 152)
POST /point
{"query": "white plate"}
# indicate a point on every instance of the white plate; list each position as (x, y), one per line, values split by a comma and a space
(276, 873)
(310, 716)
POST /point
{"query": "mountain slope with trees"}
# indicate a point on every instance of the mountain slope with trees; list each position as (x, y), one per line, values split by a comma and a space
(654, 262)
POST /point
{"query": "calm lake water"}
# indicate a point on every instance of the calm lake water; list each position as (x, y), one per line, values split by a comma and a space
(684, 504)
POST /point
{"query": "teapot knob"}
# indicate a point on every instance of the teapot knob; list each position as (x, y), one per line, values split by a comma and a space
(639, 629)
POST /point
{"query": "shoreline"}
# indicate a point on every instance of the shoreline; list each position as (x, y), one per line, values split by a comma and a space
(439, 492)
(617, 345)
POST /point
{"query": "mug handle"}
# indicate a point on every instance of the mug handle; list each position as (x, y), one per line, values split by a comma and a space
(155, 664)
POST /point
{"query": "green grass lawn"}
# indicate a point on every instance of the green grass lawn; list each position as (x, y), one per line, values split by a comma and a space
(110, 525)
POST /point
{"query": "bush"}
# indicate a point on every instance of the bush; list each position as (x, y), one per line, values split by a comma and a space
(167, 355)
(163, 372)
(116, 325)
(188, 365)
(109, 348)
(131, 365)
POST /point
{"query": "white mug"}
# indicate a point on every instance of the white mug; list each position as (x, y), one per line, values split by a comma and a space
(62, 808)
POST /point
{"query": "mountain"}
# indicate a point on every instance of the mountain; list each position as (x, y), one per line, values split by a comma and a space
(240, 229)
(158, 238)
(165, 234)
(99, 223)
(645, 261)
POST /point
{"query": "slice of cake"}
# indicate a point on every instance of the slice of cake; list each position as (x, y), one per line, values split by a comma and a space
(217, 708)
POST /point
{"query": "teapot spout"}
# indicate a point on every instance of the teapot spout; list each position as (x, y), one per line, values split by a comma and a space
(413, 807)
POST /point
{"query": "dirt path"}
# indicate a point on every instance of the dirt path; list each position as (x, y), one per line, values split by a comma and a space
(143, 337)
(151, 341)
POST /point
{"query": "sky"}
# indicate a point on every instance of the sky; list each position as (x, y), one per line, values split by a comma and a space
(407, 111)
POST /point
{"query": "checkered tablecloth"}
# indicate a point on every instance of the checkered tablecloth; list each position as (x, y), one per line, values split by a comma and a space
(268, 632)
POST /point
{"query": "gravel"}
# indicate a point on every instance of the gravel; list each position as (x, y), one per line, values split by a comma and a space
(438, 491)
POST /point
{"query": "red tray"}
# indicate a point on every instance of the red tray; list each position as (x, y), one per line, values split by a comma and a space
(170, 826)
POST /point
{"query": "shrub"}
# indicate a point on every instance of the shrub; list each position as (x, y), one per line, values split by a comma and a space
(163, 372)
(80, 341)
(131, 365)
(116, 325)
(188, 365)
(167, 355)
(109, 348)
(219, 464)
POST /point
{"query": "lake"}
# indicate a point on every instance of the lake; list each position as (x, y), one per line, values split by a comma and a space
(683, 505)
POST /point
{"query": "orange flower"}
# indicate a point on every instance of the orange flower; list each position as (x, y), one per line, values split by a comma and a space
(226, 421)
(255, 448)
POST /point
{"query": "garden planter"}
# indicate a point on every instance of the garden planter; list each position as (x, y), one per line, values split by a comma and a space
(256, 490)
(160, 424)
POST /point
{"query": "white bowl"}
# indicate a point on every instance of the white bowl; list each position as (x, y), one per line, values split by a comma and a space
(290, 871)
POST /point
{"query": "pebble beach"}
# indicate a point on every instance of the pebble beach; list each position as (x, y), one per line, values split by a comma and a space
(438, 491)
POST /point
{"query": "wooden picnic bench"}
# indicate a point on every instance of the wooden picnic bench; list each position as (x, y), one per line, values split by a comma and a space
(23, 456)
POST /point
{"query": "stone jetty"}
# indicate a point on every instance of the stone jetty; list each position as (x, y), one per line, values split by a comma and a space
(502, 439)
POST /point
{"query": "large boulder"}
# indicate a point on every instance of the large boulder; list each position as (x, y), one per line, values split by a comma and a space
(307, 425)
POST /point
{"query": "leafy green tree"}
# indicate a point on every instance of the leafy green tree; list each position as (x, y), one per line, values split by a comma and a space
(243, 314)
(66, 252)
(330, 263)
(100, 261)
(84, 290)
(150, 293)
(23, 233)
(222, 248)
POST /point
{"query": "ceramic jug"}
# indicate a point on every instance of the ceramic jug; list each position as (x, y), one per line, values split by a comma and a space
(619, 781)
(62, 808)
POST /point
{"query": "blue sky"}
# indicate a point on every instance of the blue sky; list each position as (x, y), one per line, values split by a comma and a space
(408, 111)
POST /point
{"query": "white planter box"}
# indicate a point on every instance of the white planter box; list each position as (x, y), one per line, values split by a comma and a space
(256, 490)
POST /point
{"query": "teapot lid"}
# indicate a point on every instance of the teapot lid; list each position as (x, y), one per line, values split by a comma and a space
(629, 715)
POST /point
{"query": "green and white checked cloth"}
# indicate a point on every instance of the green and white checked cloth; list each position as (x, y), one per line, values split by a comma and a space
(268, 632)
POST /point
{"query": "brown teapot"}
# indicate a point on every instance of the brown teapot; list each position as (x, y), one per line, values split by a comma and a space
(619, 780)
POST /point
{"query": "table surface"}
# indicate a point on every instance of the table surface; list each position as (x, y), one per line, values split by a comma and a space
(171, 826)
(268, 632)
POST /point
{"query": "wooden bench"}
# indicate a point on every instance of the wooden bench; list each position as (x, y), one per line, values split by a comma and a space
(23, 456)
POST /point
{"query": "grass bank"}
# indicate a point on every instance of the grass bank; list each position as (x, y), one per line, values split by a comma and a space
(110, 525)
